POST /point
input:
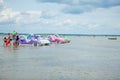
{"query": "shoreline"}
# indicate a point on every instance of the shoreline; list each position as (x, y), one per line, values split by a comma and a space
(94, 35)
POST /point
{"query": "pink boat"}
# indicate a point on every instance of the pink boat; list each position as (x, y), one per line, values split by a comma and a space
(56, 38)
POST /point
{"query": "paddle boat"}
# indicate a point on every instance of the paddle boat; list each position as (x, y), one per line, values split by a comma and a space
(57, 39)
(24, 40)
(33, 39)
(43, 40)
(67, 40)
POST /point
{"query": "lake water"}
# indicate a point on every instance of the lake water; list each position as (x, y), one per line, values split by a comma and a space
(84, 58)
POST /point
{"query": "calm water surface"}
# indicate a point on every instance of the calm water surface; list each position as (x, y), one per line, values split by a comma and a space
(85, 58)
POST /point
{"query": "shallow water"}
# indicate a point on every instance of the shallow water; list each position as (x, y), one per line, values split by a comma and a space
(85, 58)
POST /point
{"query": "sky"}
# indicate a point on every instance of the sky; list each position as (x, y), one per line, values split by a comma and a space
(60, 16)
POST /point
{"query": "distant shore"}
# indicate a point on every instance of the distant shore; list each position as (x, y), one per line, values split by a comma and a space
(69, 34)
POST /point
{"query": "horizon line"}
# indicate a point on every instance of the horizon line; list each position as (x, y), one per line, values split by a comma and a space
(69, 34)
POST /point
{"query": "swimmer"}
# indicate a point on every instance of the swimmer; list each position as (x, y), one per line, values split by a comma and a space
(16, 41)
(8, 39)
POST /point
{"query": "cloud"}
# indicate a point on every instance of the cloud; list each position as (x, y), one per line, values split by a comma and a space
(96, 17)
(8, 16)
(100, 3)
(80, 6)
(28, 17)
(77, 9)
(55, 1)
(2, 5)
(7, 22)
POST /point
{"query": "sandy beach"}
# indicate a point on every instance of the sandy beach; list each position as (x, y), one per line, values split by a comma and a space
(84, 58)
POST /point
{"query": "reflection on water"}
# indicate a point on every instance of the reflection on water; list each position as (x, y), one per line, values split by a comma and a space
(85, 58)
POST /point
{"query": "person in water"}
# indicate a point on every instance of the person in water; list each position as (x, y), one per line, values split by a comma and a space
(13, 35)
(5, 40)
(16, 39)
(8, 40)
